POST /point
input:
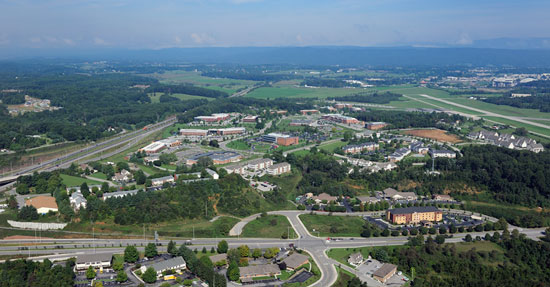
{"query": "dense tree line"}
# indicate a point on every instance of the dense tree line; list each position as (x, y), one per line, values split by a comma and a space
(204, 269)
(539, 102)
(329, 83)
(29, 273)
(90, 105)
(12, 98)
(400, 120)
(186, 89)
(375, 98)
(522, 262)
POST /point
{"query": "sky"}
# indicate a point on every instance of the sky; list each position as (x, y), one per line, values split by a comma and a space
(157, 24)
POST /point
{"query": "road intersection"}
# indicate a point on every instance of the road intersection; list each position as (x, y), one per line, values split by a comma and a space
(317, 247)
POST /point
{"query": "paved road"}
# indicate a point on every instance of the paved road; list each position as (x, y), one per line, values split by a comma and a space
(313, 245)
(512, 118)
(310, 146)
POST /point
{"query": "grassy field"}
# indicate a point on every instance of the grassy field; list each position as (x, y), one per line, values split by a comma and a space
(156, 98)
(76, 181)
(344, 277)
(99, 175)
(331, 146)
(177, 228)
(345, 225)
(270, 226)
(342, 254)
(295, 92)
(229, 86)
(238, 144)
(529, 127)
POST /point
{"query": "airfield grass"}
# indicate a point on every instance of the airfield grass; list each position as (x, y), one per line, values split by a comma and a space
(270, 226)
(69, 180)
(529, 127)
(299, 92)
(183, 97)
(346, 226)
(501, 109)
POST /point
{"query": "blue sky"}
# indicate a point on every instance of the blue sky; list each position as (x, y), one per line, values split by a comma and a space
(139, 24)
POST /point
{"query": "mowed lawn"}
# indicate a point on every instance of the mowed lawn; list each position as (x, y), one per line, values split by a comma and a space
(299, 92)
(69, 180)
(345, 226)
(270, 226)
(342, 254)
(331, 146)
(183, 97)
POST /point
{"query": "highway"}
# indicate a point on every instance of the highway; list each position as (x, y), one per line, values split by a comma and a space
(315, 246)
(97, 148)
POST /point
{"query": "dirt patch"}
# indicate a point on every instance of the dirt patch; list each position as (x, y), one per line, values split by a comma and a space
(435, 134)
(23, 237)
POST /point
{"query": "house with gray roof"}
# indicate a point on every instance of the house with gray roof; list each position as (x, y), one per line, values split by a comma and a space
(265, 270)
(176, 264)
(77, 200)
(119, 194)
(96, 260)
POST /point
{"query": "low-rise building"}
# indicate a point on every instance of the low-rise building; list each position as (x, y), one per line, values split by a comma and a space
(414, 214)
(442, 153)
(392, 194)
(418, 147)
(212, 173)
(324, 196)
(162, 180)
(171, 142)
(77, 200)
(442, 197)
(212, 118)
(309, 112)
(96, 260)
(294, 261)
(356, 259)
(227, 131)
(280, 139)
(279, 168)
(399, 154)
(176, 264)
(118, 194)
(219, 258)
(260, 163)
(385, 272)
(218, 157)
(250, 119)
(253, 271)
(43, 204)
(297, 123)
(368, 199)
(154, 147)
(375, 125)
(193, 132)
(338, 118)
(235, 168)
(357, 148)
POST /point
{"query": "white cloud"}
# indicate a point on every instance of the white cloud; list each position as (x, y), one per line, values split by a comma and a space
(202, 38)
(68, 42)
(464, 39)
(100, 42)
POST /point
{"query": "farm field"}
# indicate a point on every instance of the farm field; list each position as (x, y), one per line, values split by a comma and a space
(229, 86)
(436, 134)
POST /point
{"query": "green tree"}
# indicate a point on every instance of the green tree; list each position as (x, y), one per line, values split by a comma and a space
(203, 251)
(233, 272)
(386, 232)
(244, 250)
(105, 187)
(223, 246)
(27, 213)
(90, 273)
(85, 190)
(131, 254)
(468, 238)
(150, 275)
(121, 276)
(172, 248)
(256, 253)
(117, 265)
(151, 250)
(140, 177)
(440, 239)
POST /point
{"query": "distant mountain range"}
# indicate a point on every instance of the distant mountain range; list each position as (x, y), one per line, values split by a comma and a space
(480, 53)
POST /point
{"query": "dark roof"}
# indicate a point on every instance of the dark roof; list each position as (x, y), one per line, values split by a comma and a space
(384, 270)
(94, 257)
(413, 209)
(295, 260)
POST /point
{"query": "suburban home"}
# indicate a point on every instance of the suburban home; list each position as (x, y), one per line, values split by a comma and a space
(43, 204)
(356, 259)
(123, 176)
(279, 168)
(151, 159)
(162, 180)
(368, 199)
(385, 272)
(294, 261)
(177, 264)
(414, 214)
(96, 260)
(266, 270)
(77, 200)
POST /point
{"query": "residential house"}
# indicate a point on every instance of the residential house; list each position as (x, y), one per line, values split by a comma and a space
(442, 197)
(356, 259)
(368, 199)
(324, 196)
(77, 200)
(390, 193)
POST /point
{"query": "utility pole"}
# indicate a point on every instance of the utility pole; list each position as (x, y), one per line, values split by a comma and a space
(93, 236)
